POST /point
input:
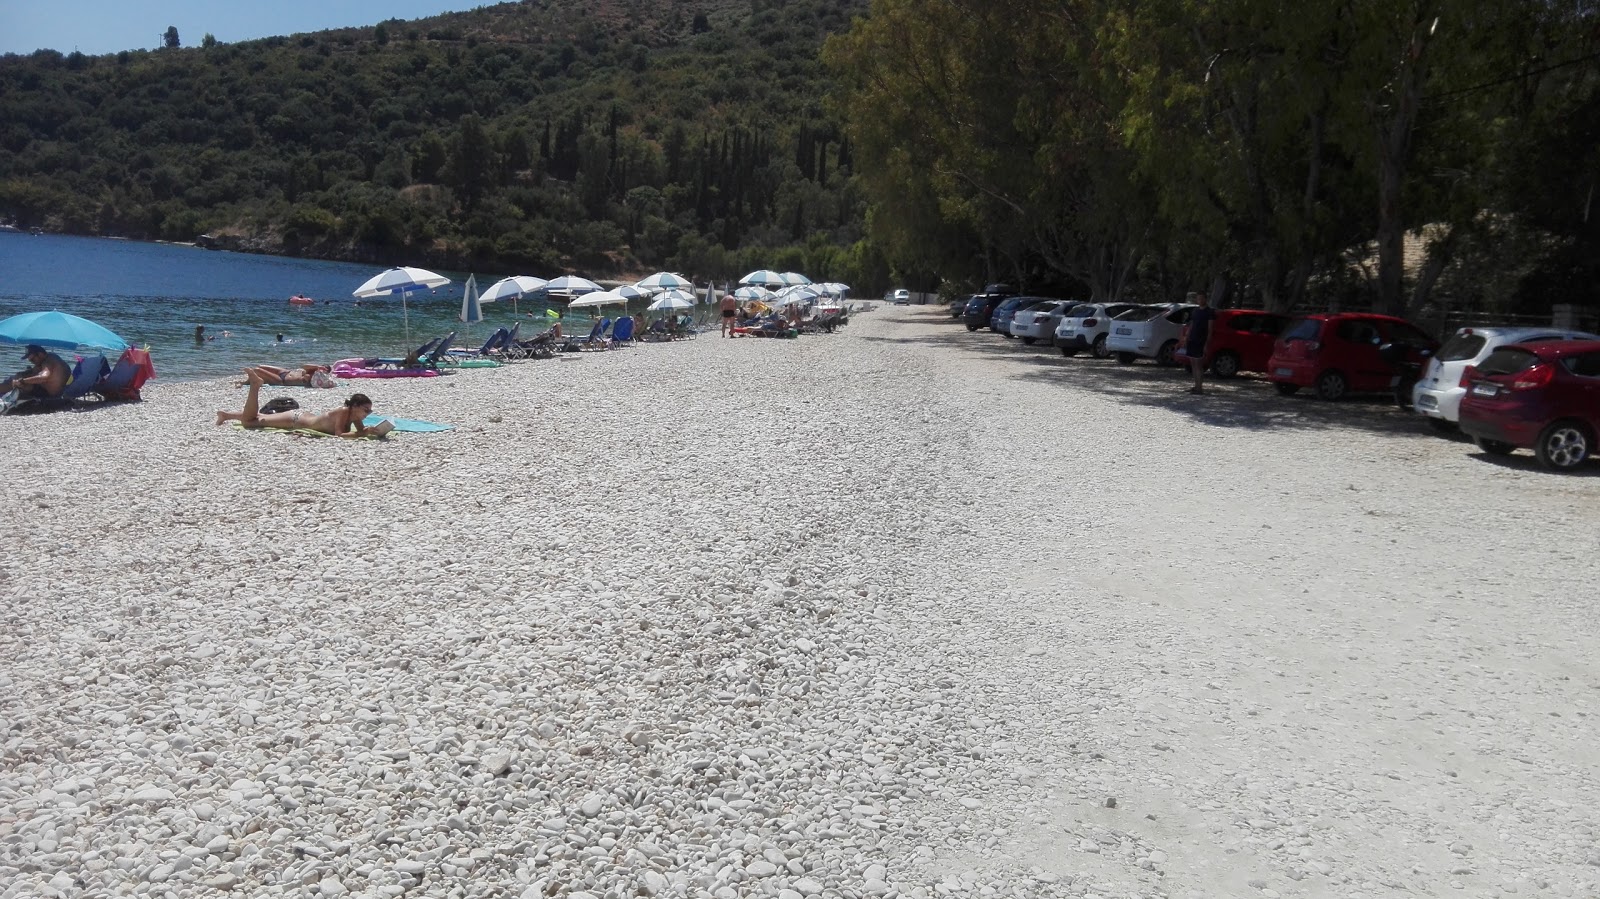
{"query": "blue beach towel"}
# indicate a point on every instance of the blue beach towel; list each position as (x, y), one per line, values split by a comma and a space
(407, 424)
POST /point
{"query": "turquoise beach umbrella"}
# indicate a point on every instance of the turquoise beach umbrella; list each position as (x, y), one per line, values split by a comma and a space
(59, 330)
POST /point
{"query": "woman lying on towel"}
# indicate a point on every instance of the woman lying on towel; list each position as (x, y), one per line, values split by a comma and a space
(307, 375)
(345, 421)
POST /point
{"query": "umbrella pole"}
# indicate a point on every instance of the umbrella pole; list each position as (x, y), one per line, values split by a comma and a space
(405, 312)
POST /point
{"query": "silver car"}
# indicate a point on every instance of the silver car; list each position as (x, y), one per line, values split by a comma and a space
(1438, 392)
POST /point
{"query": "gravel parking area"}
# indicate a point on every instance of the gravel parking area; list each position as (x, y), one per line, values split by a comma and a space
(899, 611)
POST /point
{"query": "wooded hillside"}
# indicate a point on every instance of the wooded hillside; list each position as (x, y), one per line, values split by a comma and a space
(541, 136)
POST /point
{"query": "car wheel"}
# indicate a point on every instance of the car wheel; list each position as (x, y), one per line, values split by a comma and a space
(1028, 341)
(1068, 353)
(1494, 447)
(1286, 389)
(1225, 365)
(1165, 355)
(1331, 386)
(1099, 348)
(1564, 446)
(1007, 335)
(1126, 358)
(972, 327)
(1442, 426)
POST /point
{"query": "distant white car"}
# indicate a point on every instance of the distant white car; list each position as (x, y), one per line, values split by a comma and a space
(1438, 392)
(902, 297)
(1039, 322)
(1150, 332)
(1085, 328)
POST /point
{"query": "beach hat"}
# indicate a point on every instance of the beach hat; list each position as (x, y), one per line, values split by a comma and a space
(30, 349)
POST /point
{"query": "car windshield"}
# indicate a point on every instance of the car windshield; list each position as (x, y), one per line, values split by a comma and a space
(1506, 360)
(1462, 346)
(1304, 329)
(1142, 315)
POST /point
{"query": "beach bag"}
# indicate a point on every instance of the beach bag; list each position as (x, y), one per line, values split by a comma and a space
(320, 378)
(280, 404)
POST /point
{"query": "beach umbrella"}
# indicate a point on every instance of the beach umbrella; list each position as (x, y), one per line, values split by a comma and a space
(834, 288)
(752, 293)
(471, 308)
(672, 299)
(512, 288)
(59, 330)
(764, 278)
(794, 278)
(603, 298)
(402, 280)
(800, 293)
(630, 291)
(571, 286)
(664, 281)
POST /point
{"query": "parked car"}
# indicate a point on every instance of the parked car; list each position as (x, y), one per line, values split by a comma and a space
(1241, 340)
(1149, 331)
(1438, 394)
(1086, 327)
(1000, 321)
(1038, 322)
(1337, 353)
(981, 308)
(958, 308)
(902, 297)
(1540, 395)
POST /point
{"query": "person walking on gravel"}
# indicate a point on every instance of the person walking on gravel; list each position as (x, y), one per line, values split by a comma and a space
(1200, 320)
(730, 311)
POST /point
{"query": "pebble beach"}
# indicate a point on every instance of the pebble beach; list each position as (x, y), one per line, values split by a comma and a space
(900, 611)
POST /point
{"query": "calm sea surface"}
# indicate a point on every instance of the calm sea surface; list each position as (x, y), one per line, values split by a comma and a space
(154, 294)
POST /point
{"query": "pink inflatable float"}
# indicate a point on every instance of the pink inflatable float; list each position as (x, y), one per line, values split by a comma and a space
(356, 368)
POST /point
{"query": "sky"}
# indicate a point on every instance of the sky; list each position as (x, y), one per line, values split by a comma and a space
(96, 27)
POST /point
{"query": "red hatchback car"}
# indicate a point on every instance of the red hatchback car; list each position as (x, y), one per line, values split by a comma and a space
(1540, 395)
(1241, 340)
(1336, 353)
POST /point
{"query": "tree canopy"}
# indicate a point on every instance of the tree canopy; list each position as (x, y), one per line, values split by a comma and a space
(1336, 151)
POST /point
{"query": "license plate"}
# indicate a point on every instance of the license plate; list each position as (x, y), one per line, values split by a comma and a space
(1124, 330)
(1485, 389)
(1428, 402)
(1283, 372)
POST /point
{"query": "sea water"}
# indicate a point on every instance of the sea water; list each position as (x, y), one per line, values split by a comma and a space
(154, 294)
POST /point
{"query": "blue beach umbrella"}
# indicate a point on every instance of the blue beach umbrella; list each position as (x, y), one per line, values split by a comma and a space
(403, 280)
(59, 330)
(471, 304)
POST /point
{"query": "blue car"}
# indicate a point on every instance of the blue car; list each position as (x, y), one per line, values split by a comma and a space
(1000, 319)
(981, 307)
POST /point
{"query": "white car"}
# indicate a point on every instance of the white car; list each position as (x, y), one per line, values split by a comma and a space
(902, 297)
(1039, 322)
(1086, 327)
(1149, 331)
(1438, 392)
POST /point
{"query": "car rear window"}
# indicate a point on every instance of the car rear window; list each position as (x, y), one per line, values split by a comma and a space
(1506, 360)
(1304, 329)
(1116, 309)
(1461, 346)
(1141, 315)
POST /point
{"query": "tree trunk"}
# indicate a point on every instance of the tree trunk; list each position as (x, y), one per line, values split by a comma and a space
(1394, 150)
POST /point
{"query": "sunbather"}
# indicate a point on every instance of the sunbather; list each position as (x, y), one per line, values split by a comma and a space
(46, 375)
(345, 421)
(304, 376)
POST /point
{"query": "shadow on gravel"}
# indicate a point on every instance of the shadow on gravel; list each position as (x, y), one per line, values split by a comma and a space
(1244, 402)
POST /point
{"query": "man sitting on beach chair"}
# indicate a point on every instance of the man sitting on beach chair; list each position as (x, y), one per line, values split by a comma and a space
(46, 375)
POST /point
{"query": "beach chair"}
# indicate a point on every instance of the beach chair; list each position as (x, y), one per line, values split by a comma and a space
(687, 329)
(509, 348)
(86, 373)
(486, 351)
(123, 382)
(414, 360)
(659, 330)
(596, 339)
(542, 346)
(623, 332)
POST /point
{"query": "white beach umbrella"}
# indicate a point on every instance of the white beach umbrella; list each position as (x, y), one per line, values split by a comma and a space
(402, 280)
(794, 278)
(799, 293)
(630, 291)
(672, 299)
(571, 286)
(764, 278)
(753, 293)
(512, 288)
(664, 281)
(602, 298)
